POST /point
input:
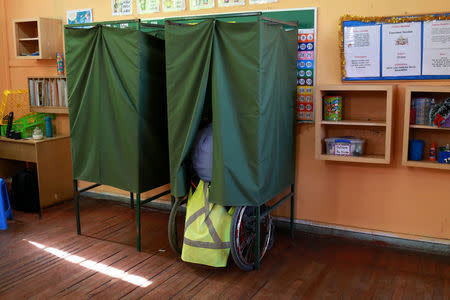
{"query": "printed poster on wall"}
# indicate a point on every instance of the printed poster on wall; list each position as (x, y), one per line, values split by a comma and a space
(147, 6)
(201, 4)
(225, 3)
(362, 51)
(122, 7)
(305, 75)
(401, 49)
(436, 48)
(173, 5)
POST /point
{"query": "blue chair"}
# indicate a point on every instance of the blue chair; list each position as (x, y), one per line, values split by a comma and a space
(5, 207)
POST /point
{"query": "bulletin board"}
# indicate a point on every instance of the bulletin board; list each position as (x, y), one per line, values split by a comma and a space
(306, 56)
(395, 48)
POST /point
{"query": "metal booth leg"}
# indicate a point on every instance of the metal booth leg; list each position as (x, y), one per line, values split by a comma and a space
(257, 241)
(76, 197)
(138, 222)
(131, 200)
(291, 229)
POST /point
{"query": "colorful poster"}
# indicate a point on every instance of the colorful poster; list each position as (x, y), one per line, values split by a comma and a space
(362, 51)
(436, 48)
(224, 3)
(201, 4)
(401, 49)
(262, 1)
(79, 16)
(122, 7)
(173, 5)
(305, 75)
(147, 6)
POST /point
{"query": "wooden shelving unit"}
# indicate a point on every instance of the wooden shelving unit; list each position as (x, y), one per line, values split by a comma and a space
(37, 35)
(367, 113)
(52, 94)
(429, 134)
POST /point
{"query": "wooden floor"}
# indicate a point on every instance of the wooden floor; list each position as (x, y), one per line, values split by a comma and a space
(45, 259)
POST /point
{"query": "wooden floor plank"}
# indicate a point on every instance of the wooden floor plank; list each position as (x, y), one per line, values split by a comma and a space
(43, 259)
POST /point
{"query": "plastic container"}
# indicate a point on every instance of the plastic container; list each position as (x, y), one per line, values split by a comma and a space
(26, 124)
(345, 146)
(415, 150)
(332, 108)
(444, 156)
(48, 127)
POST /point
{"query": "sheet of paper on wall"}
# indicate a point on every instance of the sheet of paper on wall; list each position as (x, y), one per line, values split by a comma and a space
(362, 51)
(401, 48)
(122, 7)
(173, 5)
(201, 4)
(79, 16)
(436, 48)
(262, 1)
(147, 6)
(225, 3)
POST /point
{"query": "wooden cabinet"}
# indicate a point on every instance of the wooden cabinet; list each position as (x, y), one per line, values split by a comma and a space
(48, 94)
(427, 133)
(367, 114)
(37, 38)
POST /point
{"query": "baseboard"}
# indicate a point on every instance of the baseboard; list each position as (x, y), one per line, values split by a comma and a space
(379, 238)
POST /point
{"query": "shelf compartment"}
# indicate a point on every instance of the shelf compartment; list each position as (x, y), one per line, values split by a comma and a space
(27, 29)
(440, 136)
(367, 114)
(27, 47)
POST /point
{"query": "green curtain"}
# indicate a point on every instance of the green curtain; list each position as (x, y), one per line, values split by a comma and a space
(253, 75)
(117, 110)
(188, 59)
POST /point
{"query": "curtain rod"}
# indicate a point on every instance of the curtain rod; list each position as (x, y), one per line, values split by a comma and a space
(101, 23)
(250, 14)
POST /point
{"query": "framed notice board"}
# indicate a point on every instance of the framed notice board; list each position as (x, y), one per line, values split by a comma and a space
(395, 48)
(306, 56)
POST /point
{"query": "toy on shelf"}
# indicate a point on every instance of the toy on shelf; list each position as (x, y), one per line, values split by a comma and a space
(332, 108)
(432, 156)
(440, 114)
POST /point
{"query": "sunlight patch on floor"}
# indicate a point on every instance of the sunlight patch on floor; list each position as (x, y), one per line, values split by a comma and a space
(94, 266)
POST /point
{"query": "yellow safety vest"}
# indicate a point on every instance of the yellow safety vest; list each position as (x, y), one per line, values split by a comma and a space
(206, 230)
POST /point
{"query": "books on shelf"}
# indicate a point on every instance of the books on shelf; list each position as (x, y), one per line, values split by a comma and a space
(47, 91)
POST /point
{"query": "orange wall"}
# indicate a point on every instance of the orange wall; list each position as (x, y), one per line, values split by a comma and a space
(406, 201)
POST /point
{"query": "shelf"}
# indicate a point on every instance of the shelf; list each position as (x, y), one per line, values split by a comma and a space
(354, 123)
(29, 39)
(50, 109)
(427, 164)
(428, 127)
(372, 159)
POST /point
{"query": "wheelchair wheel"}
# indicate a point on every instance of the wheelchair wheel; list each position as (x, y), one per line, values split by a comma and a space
(243, 237)
(176, 226)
